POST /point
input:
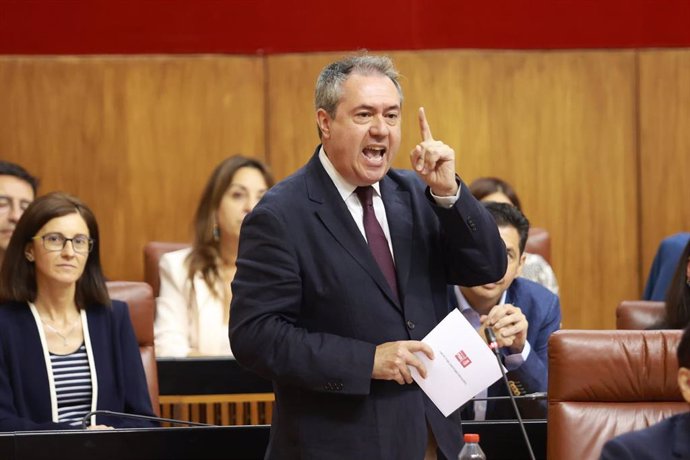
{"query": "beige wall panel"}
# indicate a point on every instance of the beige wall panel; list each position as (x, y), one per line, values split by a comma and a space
(290, 115)
(664, 147)
(134, 137)
(558, 125)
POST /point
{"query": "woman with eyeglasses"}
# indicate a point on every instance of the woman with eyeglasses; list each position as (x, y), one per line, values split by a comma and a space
(65, 348)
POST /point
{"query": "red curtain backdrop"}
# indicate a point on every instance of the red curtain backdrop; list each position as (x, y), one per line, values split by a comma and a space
(274, 26)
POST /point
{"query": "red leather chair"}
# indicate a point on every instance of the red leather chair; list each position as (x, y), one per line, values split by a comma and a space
(639, 314)
(139, 298)
(605, 383)
(152, 256)
(539, 242)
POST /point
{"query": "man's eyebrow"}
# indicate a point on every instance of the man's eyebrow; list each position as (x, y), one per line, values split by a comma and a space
(371, 107)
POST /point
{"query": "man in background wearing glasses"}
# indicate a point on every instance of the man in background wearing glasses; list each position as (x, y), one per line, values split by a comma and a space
(17, 191)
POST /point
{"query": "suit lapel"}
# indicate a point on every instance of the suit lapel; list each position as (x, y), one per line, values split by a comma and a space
(332, 211)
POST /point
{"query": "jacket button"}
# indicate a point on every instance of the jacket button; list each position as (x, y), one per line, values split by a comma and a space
(471, 224)
(410, 324)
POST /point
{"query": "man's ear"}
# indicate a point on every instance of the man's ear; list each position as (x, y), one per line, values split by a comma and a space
(684, 382)
(324, 121)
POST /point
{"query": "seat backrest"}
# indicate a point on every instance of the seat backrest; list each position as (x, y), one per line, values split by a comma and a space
(639, 314)
(152, 256)
(605, 383)
(539, 242)
(139, 298)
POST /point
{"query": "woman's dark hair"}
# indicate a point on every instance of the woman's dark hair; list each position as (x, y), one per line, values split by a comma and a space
(678, 295)
(205, 252)
(18, 274)
(485, 186)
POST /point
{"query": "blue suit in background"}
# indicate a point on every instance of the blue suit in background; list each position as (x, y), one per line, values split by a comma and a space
(668, 439)
(664, 265)
(542, 309)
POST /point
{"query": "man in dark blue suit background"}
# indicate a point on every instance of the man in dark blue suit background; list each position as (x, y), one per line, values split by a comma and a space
(342, 270)
(523, 315)
(668, 439)
(665, 262)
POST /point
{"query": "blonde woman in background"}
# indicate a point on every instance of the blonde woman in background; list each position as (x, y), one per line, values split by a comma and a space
(192, 310)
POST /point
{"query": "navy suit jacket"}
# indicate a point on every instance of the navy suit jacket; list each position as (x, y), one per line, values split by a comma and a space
(24, 388)
(664, 266)
(310, 305)
(668, 439)
(542, 309)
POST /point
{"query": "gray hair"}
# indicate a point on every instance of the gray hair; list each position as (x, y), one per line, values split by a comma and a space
(331, 78)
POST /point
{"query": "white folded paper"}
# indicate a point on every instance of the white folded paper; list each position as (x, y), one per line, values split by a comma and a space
(463, 364)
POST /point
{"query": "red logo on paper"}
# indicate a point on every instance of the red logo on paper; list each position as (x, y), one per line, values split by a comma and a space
(463, 359)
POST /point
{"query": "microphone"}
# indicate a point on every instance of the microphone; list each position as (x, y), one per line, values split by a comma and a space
(531, 396)
(493, 344)
(86, 417)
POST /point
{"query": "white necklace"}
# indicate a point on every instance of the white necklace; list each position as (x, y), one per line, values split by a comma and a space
(66, 335)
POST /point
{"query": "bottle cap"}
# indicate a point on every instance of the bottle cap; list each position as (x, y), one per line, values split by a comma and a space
(471, 437)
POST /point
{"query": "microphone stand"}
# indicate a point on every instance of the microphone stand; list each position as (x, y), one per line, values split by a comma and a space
(493, 344)
(86, 417)
(530, 396)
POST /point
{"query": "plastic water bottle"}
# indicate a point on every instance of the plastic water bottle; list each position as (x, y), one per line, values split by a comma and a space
(471, 449)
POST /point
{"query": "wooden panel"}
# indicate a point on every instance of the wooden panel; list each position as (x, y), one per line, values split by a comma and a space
(291, 118)
(134, 137)
(560, 126)
(215, 409)
(664, 147)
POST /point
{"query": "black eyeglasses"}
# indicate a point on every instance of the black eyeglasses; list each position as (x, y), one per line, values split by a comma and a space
(57, 241)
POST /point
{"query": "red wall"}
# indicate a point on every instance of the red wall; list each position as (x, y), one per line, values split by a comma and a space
(256, 26)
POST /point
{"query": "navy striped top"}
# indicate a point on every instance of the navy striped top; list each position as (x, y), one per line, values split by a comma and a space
(72, 378)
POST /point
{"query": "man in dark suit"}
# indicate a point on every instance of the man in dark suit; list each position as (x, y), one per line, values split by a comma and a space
(664, 266)
(337, 282)
(523, 315)
(668, 439)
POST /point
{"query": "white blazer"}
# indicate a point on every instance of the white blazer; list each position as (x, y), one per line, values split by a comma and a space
(187, 324)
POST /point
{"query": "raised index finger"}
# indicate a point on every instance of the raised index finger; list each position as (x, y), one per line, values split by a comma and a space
(424, 126)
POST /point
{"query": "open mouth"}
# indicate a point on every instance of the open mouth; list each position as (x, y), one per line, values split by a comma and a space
(374, 153)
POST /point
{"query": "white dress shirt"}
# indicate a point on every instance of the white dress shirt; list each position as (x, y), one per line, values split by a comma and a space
(510, 362)
(347, 193)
